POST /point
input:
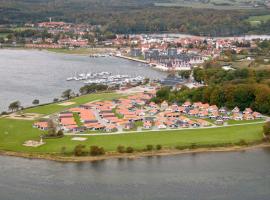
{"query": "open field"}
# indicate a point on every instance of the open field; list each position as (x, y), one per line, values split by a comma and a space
(257, 20)
(231, 122)
(3, 35)
(212, 4)
(13, 133)
(245, 64)
(57, 107)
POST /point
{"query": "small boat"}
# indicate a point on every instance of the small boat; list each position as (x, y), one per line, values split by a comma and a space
(70, 78)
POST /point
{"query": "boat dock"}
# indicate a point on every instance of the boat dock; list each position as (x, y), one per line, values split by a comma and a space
(132, 59)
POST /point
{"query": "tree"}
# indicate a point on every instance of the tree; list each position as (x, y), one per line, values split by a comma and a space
(55, 100)
(149, 147)
(129, 150)
(163, 94)
(185, 74)
(158, 147)
(96, 151)
(14, 106)
(67, 94)
(79, 150)
(35, 102)
(60, 133)
(51, 128)
(121, 149)
(87, 89)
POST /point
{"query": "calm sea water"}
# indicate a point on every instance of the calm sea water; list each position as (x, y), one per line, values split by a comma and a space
(223, 176)
(29, 74)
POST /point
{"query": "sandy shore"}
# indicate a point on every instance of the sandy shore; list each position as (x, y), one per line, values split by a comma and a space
(136, 155)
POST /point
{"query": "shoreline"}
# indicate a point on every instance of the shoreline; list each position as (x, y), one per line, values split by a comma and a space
(132, 156)
(132, 59)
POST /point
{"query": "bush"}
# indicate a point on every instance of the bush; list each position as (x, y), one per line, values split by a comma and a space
(266, 128)
(35, 102)
(178, 147)
(63, 150)
(79, 150)
(193, 146)
(121, 149)
(158, 147)
(149, 147)
(4, 113)
(242, 142)
(60, 133)
(96, 151)
(129, 150)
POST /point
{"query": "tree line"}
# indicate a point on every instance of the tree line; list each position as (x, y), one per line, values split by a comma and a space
(217, 75)
(134, 16)
(255, 96)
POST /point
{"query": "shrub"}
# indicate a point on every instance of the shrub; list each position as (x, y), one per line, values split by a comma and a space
(35, 102)
(63, 150)
(60, 133)
(149, 147)
(121, 149)
(266, 128)
(266, 139)
(242, 142)
(193, 146)
(178, 147)
(79, 150)
(129, 150)
(158, 147)
(96, 151)
(55, 100)
(4, 113)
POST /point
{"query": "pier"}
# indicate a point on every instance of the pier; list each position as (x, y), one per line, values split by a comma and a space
(130, 58)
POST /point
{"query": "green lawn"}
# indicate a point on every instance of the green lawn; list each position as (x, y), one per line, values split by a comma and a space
(211, 4)
(14, 132)
(3, 35)
(257, 20)
(244, 121)
(55, 107)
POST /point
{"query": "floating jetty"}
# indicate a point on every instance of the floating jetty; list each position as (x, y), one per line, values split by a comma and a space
(130, 58)
(105, 78)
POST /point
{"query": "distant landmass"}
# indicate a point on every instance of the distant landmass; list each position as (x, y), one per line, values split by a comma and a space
(199, 17)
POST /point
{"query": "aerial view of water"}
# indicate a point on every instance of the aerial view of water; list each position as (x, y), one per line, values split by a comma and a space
(26, 75)
(234, 175)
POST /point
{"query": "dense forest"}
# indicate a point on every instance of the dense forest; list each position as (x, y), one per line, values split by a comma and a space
(128, 16)
(243, 88)
(253, 95)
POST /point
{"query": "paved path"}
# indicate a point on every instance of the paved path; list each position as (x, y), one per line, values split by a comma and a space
(160, 130)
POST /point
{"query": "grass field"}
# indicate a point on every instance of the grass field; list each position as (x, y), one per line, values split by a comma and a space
(244, 121)
(257, 20)
(55, 107)
(213, 4)
(13, 133)
(3, 35)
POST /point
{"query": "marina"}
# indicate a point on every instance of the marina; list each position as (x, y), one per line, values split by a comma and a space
(33, 74)
(106, 78)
